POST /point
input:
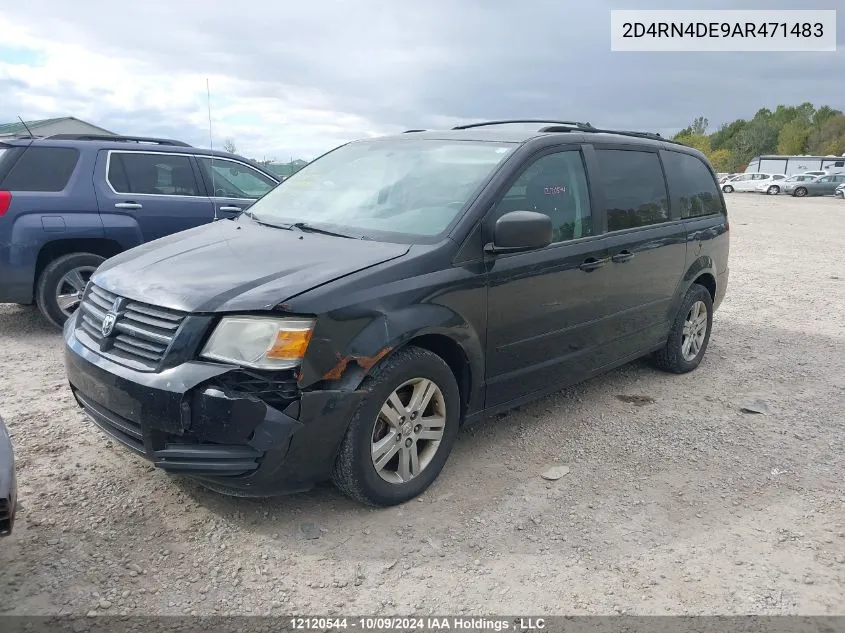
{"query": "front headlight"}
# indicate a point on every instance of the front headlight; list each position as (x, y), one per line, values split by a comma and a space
(260, 342)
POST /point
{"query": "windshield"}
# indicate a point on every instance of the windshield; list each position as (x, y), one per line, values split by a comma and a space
(402, 189)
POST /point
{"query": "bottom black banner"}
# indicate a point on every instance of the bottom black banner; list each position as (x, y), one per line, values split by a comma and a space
(424, 624)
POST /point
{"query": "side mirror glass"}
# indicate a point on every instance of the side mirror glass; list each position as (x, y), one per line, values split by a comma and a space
(521, 231)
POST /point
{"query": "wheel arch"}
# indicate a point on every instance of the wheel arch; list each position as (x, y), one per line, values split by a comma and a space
(435, 328)
(58, 248)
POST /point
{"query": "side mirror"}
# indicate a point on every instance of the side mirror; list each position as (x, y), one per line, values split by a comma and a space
(520, 231)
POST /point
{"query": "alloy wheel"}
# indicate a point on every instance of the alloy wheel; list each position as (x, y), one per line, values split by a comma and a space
(71, 287)
(408, 430)
(695, 330)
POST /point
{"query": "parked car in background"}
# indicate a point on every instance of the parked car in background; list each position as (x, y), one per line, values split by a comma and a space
(751, 182)
(783, 185)
(840, 191)
(789, 185)
(821, 186)
(69, 202)
(393, 290)
(8, 482)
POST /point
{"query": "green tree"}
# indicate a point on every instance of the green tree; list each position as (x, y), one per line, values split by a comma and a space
(699, 126)
(823, 114)
(724, 136)
(722, 160)
(793, 136)
(760, 137)
(829, 138)
(698, 141)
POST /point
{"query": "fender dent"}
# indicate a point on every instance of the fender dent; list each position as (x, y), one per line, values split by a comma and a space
(365, 362)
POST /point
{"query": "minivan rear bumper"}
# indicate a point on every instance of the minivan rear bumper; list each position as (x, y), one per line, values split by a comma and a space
(184, 422)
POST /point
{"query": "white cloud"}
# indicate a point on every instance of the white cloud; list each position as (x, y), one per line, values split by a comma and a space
(297, 78)
(131, 95)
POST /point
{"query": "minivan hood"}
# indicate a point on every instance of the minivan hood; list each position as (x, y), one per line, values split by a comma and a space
(236, 265)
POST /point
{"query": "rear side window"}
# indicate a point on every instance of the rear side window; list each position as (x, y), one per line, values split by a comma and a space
(692, 185)
(634, 188)
(155, 174)
(41, 169)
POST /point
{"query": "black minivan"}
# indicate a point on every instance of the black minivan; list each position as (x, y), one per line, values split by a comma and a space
(394, 289)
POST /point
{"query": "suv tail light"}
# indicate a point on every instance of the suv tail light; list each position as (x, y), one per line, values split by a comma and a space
(5, 202)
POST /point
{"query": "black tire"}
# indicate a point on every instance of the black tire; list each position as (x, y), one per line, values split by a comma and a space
(354, 473)
(773, 190)
(671, 358)
(727, 189)
(800, 192)
(45, 292)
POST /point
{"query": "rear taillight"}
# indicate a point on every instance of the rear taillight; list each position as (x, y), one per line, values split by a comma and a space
(5, 202)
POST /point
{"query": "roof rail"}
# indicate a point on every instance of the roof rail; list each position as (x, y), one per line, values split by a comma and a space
(409, 131)
(108, 137)
(17, 136)
(507, 121)
(594, 130)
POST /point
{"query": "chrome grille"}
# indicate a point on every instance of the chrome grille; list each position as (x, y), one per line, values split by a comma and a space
(141, 333)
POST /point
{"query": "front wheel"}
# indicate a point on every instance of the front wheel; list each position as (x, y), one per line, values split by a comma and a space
(62, 283)
(800, 192)
(690, 333)
(727, 189)
(773, 190)
(403, 431)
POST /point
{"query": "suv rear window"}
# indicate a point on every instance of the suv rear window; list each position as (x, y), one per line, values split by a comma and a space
(634, 188)
(41, 169)
(692, 184)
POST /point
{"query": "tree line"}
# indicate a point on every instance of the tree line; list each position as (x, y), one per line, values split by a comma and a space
(787, 130)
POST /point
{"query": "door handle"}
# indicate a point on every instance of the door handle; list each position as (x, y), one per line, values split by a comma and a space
(229, 209)
(128, 205)
(591, 263)
(622, 257)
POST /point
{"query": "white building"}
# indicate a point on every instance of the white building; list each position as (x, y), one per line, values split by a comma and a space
(790, 165)
(49, 127)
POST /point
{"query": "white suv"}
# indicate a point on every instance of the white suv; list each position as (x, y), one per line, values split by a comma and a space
(751, 182)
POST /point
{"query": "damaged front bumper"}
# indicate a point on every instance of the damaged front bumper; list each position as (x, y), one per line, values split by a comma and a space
(239, 432)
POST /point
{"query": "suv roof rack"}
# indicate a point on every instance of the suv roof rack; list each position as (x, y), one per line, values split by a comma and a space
(108, 137)
(409, 131)
(507, 121)
(568, 126)
(594, 130)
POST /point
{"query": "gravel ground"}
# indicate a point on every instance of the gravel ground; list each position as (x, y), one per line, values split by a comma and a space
(677, 502)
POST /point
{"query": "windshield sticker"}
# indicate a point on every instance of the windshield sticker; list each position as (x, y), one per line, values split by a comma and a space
(554, 190)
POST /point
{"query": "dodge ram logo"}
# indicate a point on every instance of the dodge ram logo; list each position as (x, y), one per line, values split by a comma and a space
(108, 323)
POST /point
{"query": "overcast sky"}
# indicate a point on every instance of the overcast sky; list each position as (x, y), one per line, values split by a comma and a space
(298, 78)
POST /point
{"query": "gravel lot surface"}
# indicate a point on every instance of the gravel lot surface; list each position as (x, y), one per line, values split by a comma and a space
(677, 502)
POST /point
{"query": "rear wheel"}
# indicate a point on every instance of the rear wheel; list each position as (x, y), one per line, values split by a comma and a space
(403, 431)
(727, 189)
(61, 284)
(690, 333)
(800, 192)
(773, 190)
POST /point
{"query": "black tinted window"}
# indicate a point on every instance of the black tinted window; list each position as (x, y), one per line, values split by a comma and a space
(692, 185)
(158, 174)
(634, 188)
(41, 169)
(555, 185)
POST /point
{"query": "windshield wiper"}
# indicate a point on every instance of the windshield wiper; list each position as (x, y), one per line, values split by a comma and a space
(310, 228)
